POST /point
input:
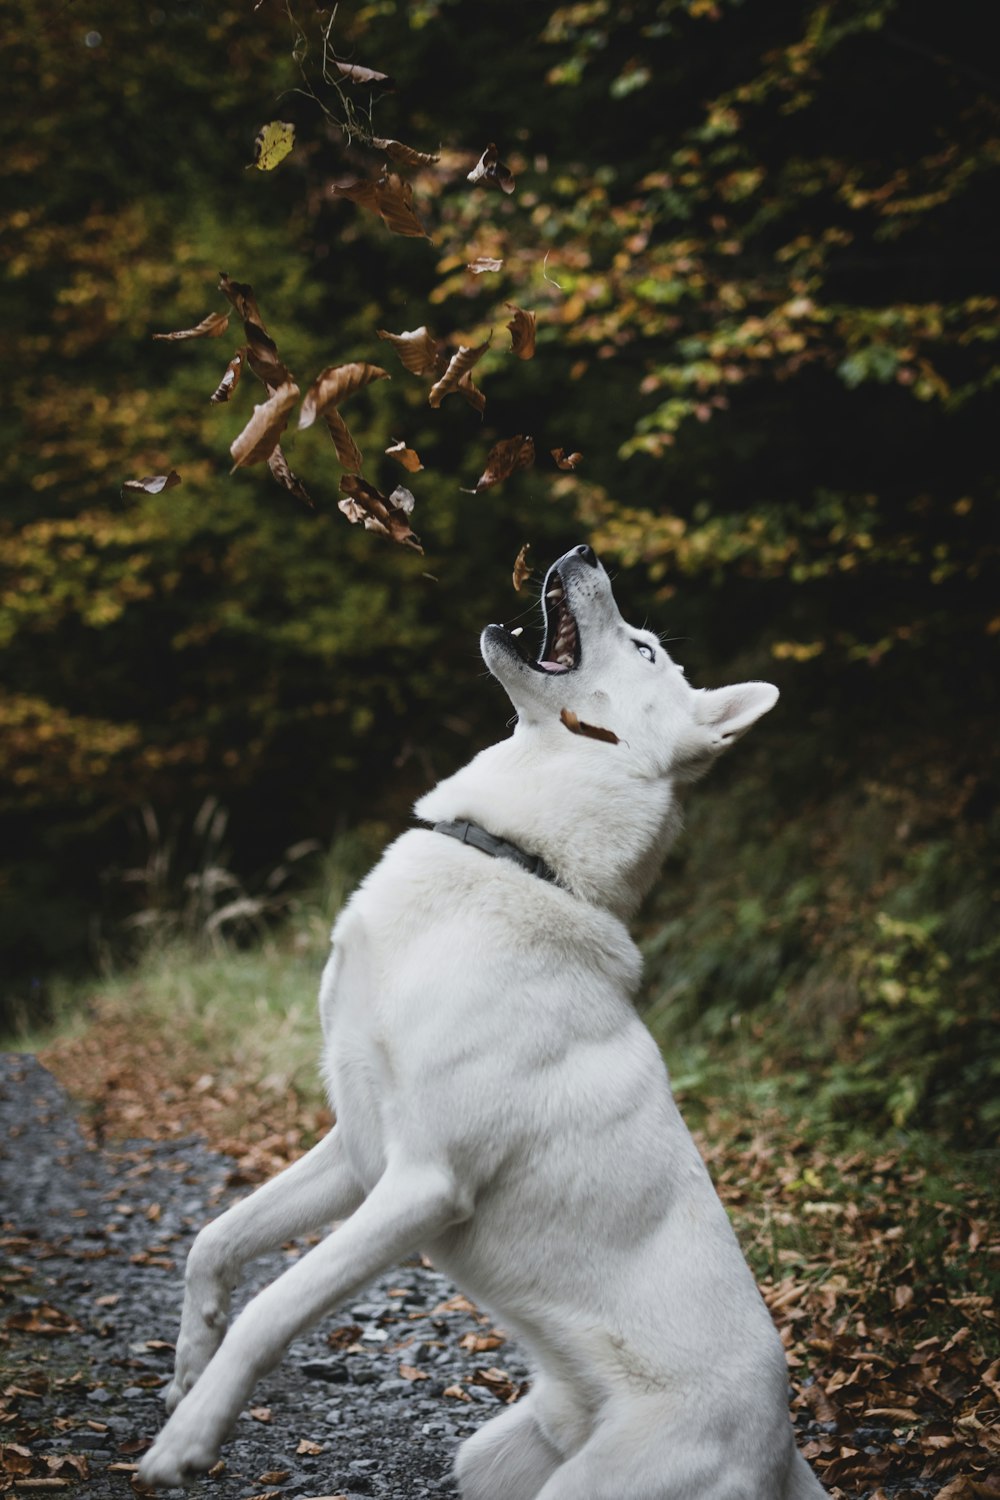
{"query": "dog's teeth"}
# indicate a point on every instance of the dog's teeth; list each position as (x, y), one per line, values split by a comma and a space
(518, 631)
(555, 593)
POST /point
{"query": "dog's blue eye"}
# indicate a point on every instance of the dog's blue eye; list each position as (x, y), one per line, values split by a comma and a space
(644, 650)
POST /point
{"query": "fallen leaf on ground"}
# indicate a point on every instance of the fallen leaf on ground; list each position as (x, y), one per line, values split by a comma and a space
(408, 457)
(273, 143)
(307, 1445)
(491, 171)
(261, 1413)
(333, 385)
(410, 1372)
(589, 731)
(456, 1393)
(504, 459)
(522, 332)
(152, 484)
(522, 568)
(566, 460)
(212, 327)
(259, 437)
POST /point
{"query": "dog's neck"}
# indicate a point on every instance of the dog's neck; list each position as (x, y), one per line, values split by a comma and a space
(602, 828)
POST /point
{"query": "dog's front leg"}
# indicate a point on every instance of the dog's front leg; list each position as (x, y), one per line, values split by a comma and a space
(409, 1205)
(312, 1192)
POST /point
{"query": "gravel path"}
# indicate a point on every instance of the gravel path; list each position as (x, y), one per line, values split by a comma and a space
(92, 1247)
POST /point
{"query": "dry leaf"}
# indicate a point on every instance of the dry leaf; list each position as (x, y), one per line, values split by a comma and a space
(566, 460)
(484, 263)
(471, 393)
(404, 156)
(456, 1392)
(377, 512)
(410, 1372)
(418, 349)
(504, 459)
(212, 327)
(522, 569)
(240, 294)
(360, 190)
(460, 364)
(492, 172)
(261, 351)
(394, 201)
(307, 1445)
(273, 143)
(259, 437)
(230, 379)
(522, 332)
(335, 384)
(589, 731)
(405, 456)
(348, 452)
(153, 484)
(278, 465)
(354, 73)
(261, 1413)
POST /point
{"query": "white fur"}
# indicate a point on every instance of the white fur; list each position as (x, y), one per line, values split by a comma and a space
(500, 1105)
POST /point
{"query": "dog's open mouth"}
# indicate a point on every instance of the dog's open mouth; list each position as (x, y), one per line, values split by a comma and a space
(561, 648)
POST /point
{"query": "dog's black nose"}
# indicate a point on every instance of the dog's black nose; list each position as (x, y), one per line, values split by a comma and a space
(587, 553)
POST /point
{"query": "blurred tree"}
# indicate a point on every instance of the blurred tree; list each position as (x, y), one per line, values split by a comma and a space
(760, 243)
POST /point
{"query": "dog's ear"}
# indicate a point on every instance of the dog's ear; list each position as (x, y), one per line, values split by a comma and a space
(728, 712)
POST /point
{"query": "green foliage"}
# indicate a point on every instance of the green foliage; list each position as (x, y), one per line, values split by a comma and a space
(761, 247)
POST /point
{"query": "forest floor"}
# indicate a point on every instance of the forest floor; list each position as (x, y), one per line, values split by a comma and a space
(874, 1261)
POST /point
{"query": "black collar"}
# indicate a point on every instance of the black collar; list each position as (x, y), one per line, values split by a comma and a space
(471, 833)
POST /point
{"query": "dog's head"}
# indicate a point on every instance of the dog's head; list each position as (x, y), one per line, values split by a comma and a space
(598, 672)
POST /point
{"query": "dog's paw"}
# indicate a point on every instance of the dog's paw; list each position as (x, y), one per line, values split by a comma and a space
(168, 1467)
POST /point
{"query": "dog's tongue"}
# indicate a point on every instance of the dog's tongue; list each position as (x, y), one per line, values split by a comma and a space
(552, 666)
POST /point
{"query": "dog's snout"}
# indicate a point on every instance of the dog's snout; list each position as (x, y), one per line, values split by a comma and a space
(587, 553)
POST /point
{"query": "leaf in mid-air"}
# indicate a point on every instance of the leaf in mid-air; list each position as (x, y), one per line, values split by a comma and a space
(459, 366)
(589, 731)
(333, 385)
(405, 456)
(355, 73)
(418, 349)
(377, 512)
(211, 327)
(274, 141)
(259, 438)
(230, 379)
(522, 332)
(152, 484)
(492, 172)
(403, 156)
(278, 465)
(504, 459)
(522, 568)
(566, 460)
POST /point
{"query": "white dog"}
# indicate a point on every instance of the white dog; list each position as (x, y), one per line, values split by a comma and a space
(500, 1105)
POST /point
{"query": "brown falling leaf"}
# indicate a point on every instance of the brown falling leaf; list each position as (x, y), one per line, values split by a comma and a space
(484, 263)
(259, 437)
(211, 327)
(388, 515)
(360, 190)
(403, 156)
(230, 379)
(153, 484)
(522, 332)
(504, 459)
(492, 172)
(418, 349)
(241, 295)
(522, 568)
(348, 452)
(458, 367)
(470, 392)
(405, 456)
(278, 465)
(394, 201)
(333, 385)
(589, 731)
(566, 460)
(355, 73)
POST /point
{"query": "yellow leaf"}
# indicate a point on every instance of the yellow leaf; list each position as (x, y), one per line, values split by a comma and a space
(273, 143)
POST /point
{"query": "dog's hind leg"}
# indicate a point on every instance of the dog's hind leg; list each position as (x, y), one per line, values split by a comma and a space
(312, 1192)
(509, 1458)
(411, 1204)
